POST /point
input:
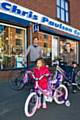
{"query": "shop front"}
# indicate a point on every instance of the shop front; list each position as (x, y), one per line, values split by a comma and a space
(14, 39)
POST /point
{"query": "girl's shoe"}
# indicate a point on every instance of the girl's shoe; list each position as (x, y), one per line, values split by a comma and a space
(44, 105)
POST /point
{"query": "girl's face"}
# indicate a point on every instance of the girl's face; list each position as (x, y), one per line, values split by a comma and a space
(39, 63)
(74, 65)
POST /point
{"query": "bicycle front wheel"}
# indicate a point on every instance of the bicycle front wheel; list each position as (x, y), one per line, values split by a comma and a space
(61, 94)
(31, 104)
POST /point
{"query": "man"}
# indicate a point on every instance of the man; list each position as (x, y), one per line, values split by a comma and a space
(35, 51)
(68, 54)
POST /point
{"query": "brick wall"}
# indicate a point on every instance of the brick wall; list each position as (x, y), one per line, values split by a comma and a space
(46, 7)
(75, 13)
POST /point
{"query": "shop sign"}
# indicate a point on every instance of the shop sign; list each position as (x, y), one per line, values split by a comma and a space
(13, 9)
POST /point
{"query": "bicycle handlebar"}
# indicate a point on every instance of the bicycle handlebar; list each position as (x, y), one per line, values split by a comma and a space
(45, 75)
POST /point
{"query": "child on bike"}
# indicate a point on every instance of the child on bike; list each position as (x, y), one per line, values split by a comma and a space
(39, 70)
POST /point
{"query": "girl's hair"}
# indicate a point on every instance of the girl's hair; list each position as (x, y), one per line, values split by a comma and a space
(42, 60)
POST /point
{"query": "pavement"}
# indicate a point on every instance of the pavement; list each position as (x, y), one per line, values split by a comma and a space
(12, 106)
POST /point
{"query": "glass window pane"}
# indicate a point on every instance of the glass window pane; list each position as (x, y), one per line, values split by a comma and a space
(62, 3)
(67, 17)
(58, 12)
(58, 2)
(66, 6)
(62, 15)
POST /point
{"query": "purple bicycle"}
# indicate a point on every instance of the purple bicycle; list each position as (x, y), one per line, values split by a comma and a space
(19, 80)
(56, 91)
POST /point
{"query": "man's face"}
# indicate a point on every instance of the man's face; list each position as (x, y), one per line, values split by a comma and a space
(35, 42)
(68, 47)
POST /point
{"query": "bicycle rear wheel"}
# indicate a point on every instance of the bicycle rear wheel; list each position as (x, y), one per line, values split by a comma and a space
(16, 82)
(61, 94)
(31, 104)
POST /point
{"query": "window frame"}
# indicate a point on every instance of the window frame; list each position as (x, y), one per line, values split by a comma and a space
(58, 15)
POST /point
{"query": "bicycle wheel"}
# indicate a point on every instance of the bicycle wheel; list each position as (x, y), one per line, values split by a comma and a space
(31, 104)
(77, 79)
(16, 82)
(61, 94)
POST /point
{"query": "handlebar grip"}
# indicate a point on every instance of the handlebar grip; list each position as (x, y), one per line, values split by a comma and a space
(45, 75)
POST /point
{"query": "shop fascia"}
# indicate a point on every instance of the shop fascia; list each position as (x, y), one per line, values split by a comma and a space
(13, 9)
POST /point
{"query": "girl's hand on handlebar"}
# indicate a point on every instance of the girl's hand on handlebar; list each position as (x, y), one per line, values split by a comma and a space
(46, 75)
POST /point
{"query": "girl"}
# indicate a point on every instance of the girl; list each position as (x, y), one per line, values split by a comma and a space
(40, 70)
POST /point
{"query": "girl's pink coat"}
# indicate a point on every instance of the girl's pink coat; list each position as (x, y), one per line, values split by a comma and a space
(43, 83)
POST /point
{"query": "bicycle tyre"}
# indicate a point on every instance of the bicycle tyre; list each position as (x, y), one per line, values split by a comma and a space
(28, 102)
(16, 83)
(64, 96)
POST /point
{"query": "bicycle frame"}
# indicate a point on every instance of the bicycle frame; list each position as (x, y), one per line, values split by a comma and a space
(56, 91)
(52, 84)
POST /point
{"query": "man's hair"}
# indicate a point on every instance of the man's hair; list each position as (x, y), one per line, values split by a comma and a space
(68, 44)
(35, 38)
(74, 62)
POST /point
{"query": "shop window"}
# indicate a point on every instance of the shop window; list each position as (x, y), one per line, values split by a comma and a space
(63, 10)
(12, 47)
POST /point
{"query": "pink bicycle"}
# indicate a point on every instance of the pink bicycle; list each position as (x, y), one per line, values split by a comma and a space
(56, 91)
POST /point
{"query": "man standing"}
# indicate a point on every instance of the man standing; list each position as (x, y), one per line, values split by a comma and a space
(35, 51)
(68, 54)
